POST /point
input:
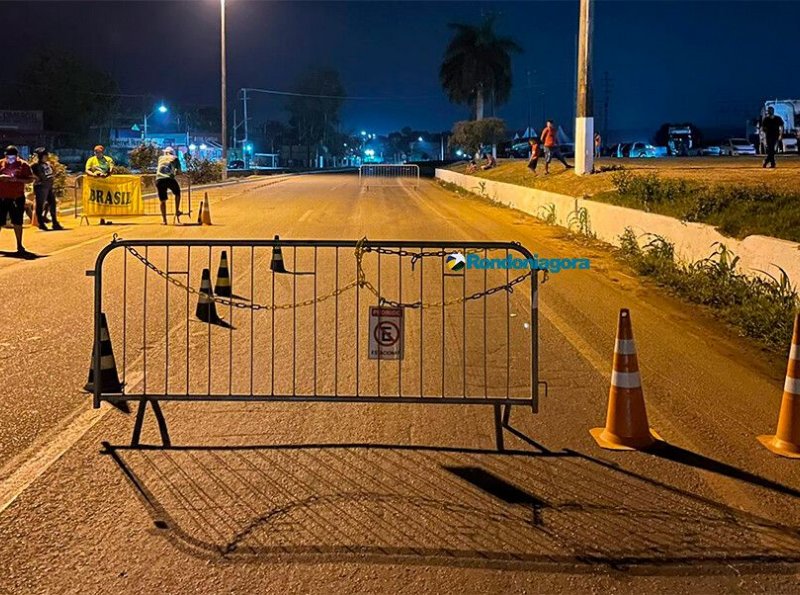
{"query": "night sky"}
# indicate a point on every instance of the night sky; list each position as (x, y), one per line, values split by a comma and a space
(711, 62)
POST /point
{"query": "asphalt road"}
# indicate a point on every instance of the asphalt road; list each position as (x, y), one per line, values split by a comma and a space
(402, 498)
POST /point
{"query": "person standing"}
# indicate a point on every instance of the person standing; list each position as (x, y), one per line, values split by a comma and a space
(772, 129)
(550, 140)
(598, 144)
(14, 174)
(168, 167)
(536, 152)
(43, 189)
(99, 165)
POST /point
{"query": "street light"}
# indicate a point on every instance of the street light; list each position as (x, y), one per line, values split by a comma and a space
(161, 109)
(224, 110)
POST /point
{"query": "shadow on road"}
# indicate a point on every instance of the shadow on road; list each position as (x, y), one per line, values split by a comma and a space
(21, 255)
(554, 511)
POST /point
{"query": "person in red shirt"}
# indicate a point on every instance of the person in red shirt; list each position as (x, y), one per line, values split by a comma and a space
(536, 152)
(14, 174)
(550, 141)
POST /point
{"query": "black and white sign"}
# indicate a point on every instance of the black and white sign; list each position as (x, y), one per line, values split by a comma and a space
(385, 333)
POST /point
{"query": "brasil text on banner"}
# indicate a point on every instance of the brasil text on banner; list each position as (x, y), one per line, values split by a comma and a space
(115, 195)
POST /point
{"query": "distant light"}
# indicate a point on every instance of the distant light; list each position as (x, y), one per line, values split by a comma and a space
(192, 147)
(345, 144)
(203, 147)
(459, 152)
(363, 133)
(162, 109)
(420, 139)
(248, 148)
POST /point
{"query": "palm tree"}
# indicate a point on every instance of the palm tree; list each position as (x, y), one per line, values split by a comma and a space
(477, 64)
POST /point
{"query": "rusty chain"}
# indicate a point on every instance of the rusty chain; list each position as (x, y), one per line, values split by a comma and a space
(361, 281)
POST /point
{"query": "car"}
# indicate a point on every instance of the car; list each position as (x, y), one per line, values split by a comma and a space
(635, 150)
(712, 151)
(236, 164)
(737, 146)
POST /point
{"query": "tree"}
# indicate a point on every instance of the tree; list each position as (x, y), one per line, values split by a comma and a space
(473, 135)
(72, 94)
(314, 113)
(144, 157)
(477, 66)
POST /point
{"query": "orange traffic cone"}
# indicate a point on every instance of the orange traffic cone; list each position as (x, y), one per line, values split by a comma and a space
(206, 308)
(34, 218)
(206, 215)
(276, 264)
(626, 422)
(223, 286)
(786, 441)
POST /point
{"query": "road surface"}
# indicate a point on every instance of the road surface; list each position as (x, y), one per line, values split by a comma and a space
(400, 498)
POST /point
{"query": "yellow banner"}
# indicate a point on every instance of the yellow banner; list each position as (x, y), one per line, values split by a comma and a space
(115, 195)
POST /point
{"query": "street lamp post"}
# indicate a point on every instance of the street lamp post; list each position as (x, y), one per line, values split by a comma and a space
(223, 92)
(161, 109)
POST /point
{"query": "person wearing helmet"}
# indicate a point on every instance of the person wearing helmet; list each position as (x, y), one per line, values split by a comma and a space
(14, 174)
(99, 165)
(168, 167)
(43, 188)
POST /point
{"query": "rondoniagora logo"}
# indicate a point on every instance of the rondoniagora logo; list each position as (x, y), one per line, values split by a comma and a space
(457, 261)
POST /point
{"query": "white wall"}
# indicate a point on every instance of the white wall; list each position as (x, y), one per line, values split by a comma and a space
(693, 241)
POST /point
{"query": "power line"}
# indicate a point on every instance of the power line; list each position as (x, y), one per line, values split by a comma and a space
(349, 97)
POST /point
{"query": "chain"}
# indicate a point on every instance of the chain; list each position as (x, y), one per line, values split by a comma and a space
(361, 282)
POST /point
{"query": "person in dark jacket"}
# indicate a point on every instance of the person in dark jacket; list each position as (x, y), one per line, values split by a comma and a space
(43, 189)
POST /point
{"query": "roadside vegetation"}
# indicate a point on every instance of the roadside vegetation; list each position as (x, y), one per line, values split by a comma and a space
(760, 307)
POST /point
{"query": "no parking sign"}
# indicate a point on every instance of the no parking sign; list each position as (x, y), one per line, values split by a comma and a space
(385, 333)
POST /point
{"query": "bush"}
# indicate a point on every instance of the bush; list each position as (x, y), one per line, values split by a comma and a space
(203, 171)
(144, 157)
(472, 135)
(761, 307)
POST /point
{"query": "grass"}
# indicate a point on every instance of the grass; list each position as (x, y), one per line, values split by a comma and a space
(761, 308)
(733, 194)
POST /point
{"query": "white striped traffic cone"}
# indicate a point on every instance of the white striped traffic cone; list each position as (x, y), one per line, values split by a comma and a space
(206, 308)
(223, 286)
(626, 421)
(276, 264)
(786, 441)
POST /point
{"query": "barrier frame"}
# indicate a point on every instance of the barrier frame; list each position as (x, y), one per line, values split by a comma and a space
(388, 168)
(502, 405)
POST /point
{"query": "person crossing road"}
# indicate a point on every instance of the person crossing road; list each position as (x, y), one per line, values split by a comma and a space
(168, 167)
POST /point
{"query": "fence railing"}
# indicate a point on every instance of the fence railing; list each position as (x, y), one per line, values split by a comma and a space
(383, 174)
(316, 320)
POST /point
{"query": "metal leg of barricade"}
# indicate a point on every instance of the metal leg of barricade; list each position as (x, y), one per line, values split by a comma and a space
(506, 415)
(498, 427)
(160, 419)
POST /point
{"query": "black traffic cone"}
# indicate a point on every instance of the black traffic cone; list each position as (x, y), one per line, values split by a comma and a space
(276, 264)
(223, 286)
(206, 308)
(109, 379)
(200, 214)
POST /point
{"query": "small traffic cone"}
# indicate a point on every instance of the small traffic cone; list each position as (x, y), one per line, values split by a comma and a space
(109, 379)
(34, 218)
(206, 308)
(206, 215)
(276, 264)
(626, 421)
(200, 214)
(786, 441)
(223, 286)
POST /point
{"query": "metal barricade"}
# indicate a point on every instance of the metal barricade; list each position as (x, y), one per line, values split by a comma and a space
(383, 175)
(149, 196)
(316, 320)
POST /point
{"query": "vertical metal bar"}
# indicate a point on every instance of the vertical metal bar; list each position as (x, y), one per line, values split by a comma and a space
(358, 334)
(294, 320)
(464, 327)
(144, 327)
(166, 328)
(443, 278)
(315, 320)
(379, 303)
(421, 326)
(98, 316)
(124, 314)
(272, 335)
(252, 312)
(485, 332)
(336, 331)
(188, 305)
(208, 349)
(230, 327)
(400, 299)
(535, 341)
(508, 331)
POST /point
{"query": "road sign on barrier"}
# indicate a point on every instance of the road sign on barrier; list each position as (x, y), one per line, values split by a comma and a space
(385, 333)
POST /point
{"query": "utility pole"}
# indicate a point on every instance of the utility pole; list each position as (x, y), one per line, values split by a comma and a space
(246, 140)
(584, 120)
(223, 93)
(528, 131)
(606, 100)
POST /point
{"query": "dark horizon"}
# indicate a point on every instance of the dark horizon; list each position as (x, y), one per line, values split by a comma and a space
(666, 61)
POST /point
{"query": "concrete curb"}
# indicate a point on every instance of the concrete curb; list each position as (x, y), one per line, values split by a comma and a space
(693, 241)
